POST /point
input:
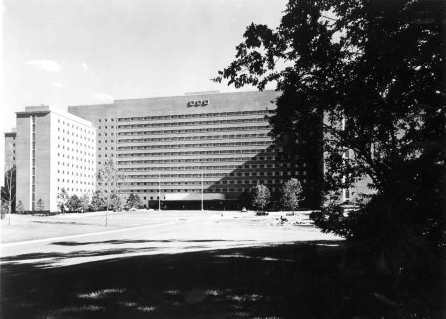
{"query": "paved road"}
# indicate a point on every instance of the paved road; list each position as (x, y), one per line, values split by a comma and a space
(162, 234)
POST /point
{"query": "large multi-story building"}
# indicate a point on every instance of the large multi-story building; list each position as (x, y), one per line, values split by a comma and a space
(52, 149)
(192, 150)
(198, 150)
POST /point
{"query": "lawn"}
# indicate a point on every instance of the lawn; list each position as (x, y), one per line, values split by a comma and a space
(29, 227)
(303, 279)
(286, 281)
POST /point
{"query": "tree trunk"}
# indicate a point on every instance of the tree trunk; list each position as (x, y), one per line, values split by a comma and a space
(106, 212)
(9, 214)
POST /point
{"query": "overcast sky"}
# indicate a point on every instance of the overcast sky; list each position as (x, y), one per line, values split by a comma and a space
(70, 52)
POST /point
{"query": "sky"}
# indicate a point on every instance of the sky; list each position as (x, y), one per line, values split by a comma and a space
(73, 52)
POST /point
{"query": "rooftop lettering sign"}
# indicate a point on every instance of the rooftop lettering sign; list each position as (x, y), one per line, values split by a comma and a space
(197, 103)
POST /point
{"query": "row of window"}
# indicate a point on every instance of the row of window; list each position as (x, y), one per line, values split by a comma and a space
(75, 150)
(185, 168)
(207, 168)
(105, 155)
(33, 158)
(77, 174)
(77, 127)
(210, 175)
(77, 166)
(190, 153)
(198, 130)
(221, 182)
(214, 122)
(77, 158)
(208, 190)
(229, 144)
(74, 182)
(192, 160)
(72, 189)
(192, 138)
(75, 135)
(72, 142)
(90, 146)
(185, 116)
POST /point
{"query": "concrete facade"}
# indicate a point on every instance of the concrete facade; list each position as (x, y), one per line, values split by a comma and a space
(54, 150)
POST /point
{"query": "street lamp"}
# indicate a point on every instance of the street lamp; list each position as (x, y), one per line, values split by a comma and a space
(159, 191)
(202, 208)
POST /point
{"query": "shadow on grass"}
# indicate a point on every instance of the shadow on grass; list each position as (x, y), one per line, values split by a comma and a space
(300, 280)
(61, 223)
(142, 241)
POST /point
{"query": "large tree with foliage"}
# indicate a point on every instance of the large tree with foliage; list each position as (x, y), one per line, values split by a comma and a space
(133, 201)
(20, 209)
(85, 202)
(109, 181)
(97, 201)
(74, 203)
(291, 194)
(261, 196)
(8, 191)
(62, 199)
(374, 71)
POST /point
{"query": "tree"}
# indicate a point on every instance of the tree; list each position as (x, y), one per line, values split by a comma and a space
(109, 181)
(4, 209)
(97, 201)
(261, 196)
(74, 203)
(371, 75)
(291, 194)
(84, 202)
(62, 199)
(134, 201)
(19, 208)
(116, 202)
(9, 190)
(40, 205)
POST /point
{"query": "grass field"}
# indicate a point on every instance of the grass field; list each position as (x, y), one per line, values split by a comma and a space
(283, 270)
(28, 227)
